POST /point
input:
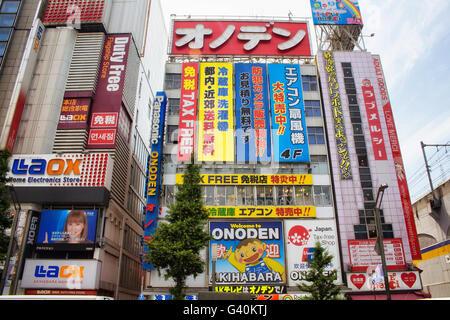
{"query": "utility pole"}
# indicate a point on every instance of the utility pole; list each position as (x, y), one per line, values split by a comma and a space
(379, 246)
(436, 203)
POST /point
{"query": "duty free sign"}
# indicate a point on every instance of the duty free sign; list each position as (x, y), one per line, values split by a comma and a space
(401, 280)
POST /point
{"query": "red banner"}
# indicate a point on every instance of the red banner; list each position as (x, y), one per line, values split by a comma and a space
(373, 118)
(188, 111)
(398, 162)
(240, 38)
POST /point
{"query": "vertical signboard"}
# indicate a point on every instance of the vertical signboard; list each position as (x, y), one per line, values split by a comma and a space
(154, 169)
(339, 12)
(109, 92)
(338, 117)
(216, 119)
(290, 140)
(398, 162)
(253, 142)
(373, 118)
(188, 111)
(249, 252)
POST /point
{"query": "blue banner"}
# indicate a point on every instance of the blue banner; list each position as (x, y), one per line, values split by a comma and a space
(290, 139)
(253, 141)
(154, 170)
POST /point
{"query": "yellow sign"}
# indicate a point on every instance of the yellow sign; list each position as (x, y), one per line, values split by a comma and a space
(252, 179)
(216, 112)
(262, 212)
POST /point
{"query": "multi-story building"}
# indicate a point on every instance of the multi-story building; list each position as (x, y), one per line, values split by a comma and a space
(83, 99)
(265, 166)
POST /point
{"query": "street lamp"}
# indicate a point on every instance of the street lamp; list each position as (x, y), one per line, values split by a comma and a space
(379, 247)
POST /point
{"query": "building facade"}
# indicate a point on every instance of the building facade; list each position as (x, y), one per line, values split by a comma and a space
(82, 119)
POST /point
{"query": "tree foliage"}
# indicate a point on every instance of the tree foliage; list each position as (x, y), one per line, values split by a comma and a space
(175, 246)
(321, 281)
(5, 202)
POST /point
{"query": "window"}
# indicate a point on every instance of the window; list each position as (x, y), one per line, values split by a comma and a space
(208, 195)
(230, 198)
(245, 195)
(169, 195)
(172, 81)
(284, 194)
(316, 135)
(309, 83)
(174, 106)
(319, 165)
(264, 195)
(312, 108)
(10, 6)
(303, 196)
(172, 134)
(220, 196)
(322, 195)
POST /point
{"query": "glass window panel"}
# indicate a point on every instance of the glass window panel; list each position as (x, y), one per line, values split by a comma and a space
(303, 196)
(7, 20)
(4, 34)
(240, 200)
(10, 6)
(249, 196)
(220, 196)
(229, 196)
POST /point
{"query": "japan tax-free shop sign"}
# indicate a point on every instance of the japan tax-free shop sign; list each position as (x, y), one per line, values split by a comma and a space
(249, 252)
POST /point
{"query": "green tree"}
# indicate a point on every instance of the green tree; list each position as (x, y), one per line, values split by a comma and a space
(5, 202)
(321, 282)
(175, 246)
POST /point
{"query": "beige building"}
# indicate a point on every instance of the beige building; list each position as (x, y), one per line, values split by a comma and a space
(433, 229)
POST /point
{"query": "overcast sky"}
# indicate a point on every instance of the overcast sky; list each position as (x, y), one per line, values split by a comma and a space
(413, 39)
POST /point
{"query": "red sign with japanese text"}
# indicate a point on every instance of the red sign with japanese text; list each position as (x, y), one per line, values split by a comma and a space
(102, 136)
(74, 113)
(398, 162)
(373, 118)
(188, 111)
(266, 38)
(104, 120)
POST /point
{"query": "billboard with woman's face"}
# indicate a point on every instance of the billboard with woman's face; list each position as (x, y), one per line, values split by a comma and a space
(65, 229)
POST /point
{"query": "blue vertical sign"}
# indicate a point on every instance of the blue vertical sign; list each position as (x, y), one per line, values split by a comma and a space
(290, 140)
(253, 141)
(154, 170)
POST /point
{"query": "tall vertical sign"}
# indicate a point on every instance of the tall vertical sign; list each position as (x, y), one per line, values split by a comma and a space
(216, 119)
(154, 170)
(398, 162)
(253, 141)
(290, 140)
(338, 117)
(188, 111)
(107, 103)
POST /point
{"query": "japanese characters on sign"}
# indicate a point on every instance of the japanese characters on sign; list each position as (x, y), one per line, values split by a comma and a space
(107, 101)
(336, 108)
(253, 141)
(262, 212)
(74, 113)
(216, 112)
(251, 179)
(290, 141)
(373, 118)
(154, 170)
(240, 38)
(252, 289)
(249, 252)
(336, 12)
(363, 255)
(399, 280)
(398, 162)
(188, 111)
(301, 238)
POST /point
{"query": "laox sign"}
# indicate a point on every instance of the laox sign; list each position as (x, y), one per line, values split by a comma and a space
(52, 167)
(64, 272)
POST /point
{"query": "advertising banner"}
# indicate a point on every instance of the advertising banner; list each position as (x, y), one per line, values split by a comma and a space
(338, 117)
(262, 212)
(363, 255)
(290, 139)
(62, 230)
(65, 170)
(373, 118)
(399, 280)
(249, 252)
(74, 113)
(398, 162)
(301, 238)
(154, 170)
(265, 38)
(253, 141)
(251, 179)
(216, 112)
(337, 12)
(109, 91)
(188, 111)
(61, 274)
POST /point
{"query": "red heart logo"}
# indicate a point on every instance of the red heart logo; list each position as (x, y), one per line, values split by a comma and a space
(409, 278)
(358, 280)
